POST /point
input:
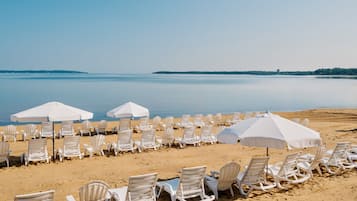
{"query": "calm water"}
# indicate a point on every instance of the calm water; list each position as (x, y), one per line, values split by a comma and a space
(174, 94)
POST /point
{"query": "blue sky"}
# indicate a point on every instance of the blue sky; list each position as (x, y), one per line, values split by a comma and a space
(145, 36)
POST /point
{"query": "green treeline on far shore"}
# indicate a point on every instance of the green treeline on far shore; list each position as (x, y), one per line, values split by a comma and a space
(322, 71)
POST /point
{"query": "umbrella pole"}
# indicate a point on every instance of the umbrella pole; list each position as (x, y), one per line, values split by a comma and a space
(53, 141)
(267, 151)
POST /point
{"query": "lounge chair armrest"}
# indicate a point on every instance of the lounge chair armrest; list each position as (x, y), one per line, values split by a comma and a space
(70, 198)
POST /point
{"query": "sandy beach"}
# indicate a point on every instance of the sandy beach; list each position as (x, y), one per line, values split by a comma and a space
(334, 125)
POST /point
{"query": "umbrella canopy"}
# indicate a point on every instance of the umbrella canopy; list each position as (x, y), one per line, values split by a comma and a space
(129, 110)
(51, 111)
(271, 131)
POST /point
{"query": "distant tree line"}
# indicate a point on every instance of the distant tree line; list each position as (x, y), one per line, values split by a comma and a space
(322, 71)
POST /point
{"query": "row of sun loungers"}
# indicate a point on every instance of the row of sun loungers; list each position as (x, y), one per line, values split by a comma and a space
(258, 175)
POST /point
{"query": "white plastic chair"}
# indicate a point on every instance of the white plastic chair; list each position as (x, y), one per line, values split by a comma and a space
(169, 122)
(189, 185)
(124, 124)
(337, 161)
(209, 119)
(30, 130)
(37, 151)
(148, 140)
(253, 177)
(185, 121)
(218, 119)
(71, 148)
(93, 191)
(96, 146)
(310, 164)
(86, 128)
(157, 123)
(197, 121)
(140, 188)
(207, 136)
(46, 130)
(40, 196)
(5, 152)
(66, 129)
(168, 138)
(9, 132)
(101, 127)
(189, 137)
(224, 179)
(125, 142)
(288, 171)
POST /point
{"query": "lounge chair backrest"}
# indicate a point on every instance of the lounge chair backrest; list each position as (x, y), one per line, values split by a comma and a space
(228, 175)
(142, 187)
(38, 148)
(339, 153)
(86, 126)
(102, 126)
(169, 121)
(156, 121)
(206, 131)
(318, 156)
(124, 137)
(71, 143)
(191, 182)
(124, 124)
(30, 129)
(188, 133)
(4, 151)
(94, 191)
(41, 196)
(10, 130)
(289, 165)
(209, 119)
(97, 141)
(148, 136)
(255, 171)
(46, 129)
(67, 128)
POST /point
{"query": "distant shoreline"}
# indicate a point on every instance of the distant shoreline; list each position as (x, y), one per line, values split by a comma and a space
(43, 71)
(326, 71)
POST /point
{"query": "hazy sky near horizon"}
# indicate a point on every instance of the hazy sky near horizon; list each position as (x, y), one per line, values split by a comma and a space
(146, 36)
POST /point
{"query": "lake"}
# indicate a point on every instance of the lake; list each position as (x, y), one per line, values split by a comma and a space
(174, 95)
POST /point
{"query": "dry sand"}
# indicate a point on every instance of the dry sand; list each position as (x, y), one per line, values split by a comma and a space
(67, 177)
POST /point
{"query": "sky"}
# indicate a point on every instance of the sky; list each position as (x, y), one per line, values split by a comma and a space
(133, 36)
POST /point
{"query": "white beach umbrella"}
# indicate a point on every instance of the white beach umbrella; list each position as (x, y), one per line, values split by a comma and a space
(128, 110)
(51, 112)
(271, 131)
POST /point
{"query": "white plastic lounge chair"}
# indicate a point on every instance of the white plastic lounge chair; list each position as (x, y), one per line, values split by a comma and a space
(189, 185)
(9, 132)
(288, 171)
(224, 179)
(101, 127)
(189, 137)
(46, 130)
(207, 136)
(197, 121)
(148, 140)
(140, 188)
(125, 142)
(235, 118)
(352, 155)
(124, 124)
(93, 191)
(37, 151)
(5, 152)
(169, 122)
(66, 129)
(310, 164)
(71, 148)
(143, 124)
(96, 146)
(86, 128)
(30, 130)
(157, 123)
(219, 119)
(209, 119)
(185, 121)
(168, 137)
(337, 161)
(253, 177)
(40, 196)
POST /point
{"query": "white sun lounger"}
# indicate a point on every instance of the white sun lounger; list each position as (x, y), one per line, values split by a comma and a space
(71, 148)
(9, 132)
(148, 140)
(93, 191)
(37, 151)
(5, 152)
(125, 142)
(96, 146)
